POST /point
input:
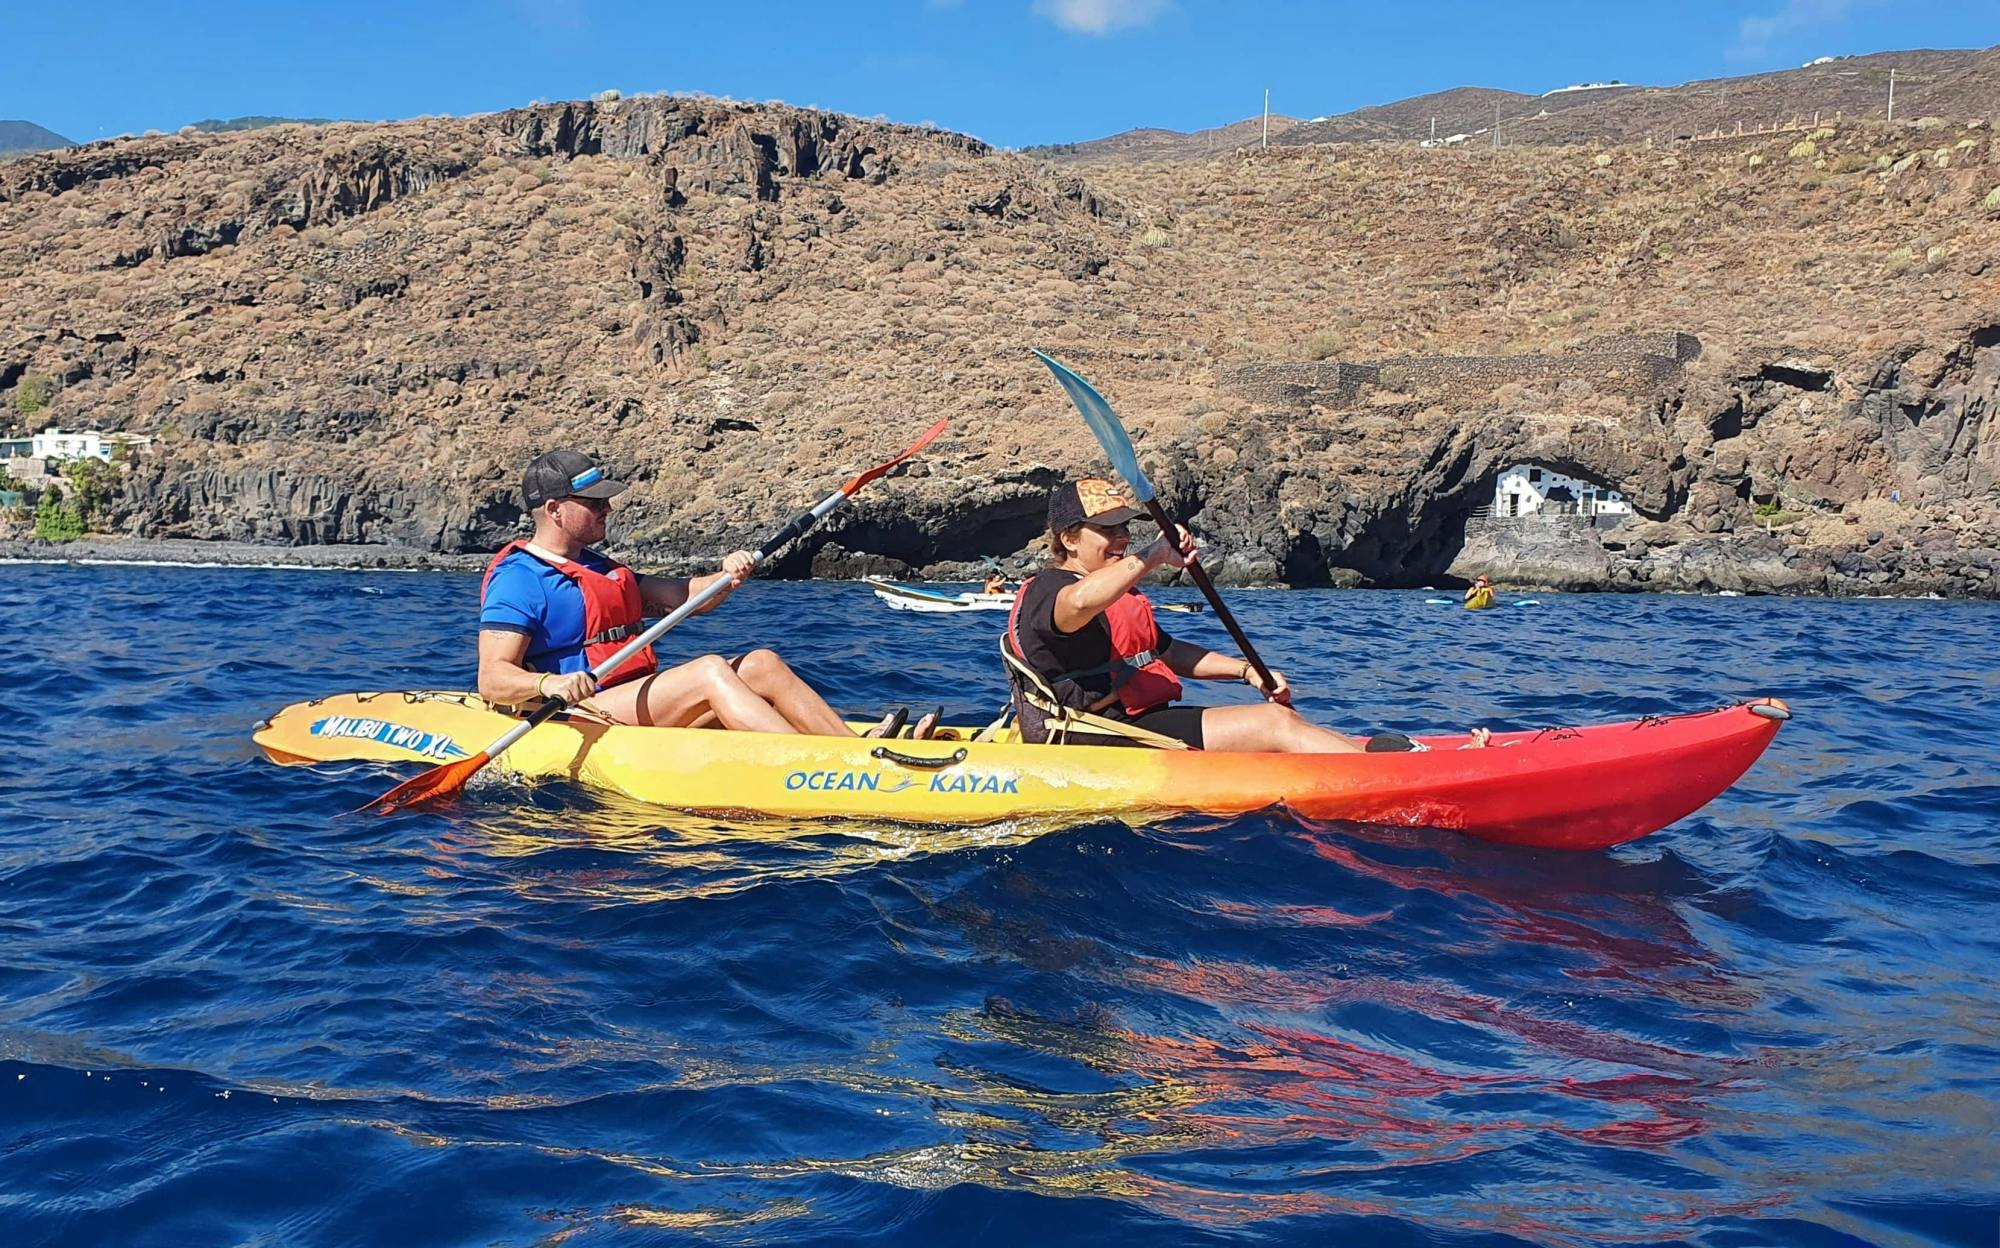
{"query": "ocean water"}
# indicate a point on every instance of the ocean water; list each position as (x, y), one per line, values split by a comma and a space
(232, 1014)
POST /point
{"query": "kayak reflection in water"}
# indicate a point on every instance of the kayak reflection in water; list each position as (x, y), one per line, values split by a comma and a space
(552, 607)
(1090, 662)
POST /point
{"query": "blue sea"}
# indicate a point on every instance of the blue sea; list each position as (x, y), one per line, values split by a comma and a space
(231, 1013)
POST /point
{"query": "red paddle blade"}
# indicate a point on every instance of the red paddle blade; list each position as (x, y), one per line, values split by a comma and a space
(930, 436)
(434, 785)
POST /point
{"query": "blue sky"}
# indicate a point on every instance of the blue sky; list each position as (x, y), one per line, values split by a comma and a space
(1013, 72)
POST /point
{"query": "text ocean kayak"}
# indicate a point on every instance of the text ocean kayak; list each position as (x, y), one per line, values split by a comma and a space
(1560, 788)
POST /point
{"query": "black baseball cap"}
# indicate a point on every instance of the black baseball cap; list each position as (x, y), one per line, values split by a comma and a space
(1092, 500)
(566, 474)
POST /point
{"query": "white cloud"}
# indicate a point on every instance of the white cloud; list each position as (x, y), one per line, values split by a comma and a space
(1754, 35)
(1099, 17)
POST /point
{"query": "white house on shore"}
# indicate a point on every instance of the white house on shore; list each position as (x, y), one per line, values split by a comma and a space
(53, 443)
(1530, 489)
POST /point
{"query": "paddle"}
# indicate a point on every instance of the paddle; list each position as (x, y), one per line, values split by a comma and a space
(448, 779)
(1118, 445)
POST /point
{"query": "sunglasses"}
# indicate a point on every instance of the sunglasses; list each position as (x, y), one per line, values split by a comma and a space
(1123, 526)
(600, 506)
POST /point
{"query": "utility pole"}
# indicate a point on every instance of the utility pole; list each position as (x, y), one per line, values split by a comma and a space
(1434, 131)
(1267, 118)
(1892, 95)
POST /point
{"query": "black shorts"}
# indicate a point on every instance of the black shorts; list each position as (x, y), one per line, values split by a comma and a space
(1182, 723)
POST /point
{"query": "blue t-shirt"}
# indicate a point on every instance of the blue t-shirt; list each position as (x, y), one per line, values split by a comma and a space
(528, 596)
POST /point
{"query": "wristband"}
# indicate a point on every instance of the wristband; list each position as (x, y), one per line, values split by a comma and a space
(539, 691)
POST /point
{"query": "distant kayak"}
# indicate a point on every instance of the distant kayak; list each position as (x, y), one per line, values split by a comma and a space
(929, 601)
(1453, 602)
(934, 602)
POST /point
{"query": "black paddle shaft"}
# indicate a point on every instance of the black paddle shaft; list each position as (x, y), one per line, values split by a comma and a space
(1171, 532)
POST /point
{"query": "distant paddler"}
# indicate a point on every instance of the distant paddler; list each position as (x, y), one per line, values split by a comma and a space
(1479, 595)
(552, 607)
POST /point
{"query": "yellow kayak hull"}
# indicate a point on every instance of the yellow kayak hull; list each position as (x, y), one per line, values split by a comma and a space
(1557, 788)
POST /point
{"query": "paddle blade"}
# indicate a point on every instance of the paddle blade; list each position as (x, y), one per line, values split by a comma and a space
(1104, 423)
(434, 785)
(930, 436)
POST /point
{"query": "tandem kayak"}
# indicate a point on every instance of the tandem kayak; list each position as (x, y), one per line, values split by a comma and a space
(1554, 788)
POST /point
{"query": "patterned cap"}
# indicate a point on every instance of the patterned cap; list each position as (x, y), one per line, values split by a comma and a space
(1092, 500)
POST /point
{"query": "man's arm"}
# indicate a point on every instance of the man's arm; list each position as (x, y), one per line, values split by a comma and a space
(666, 594)
(505, 680)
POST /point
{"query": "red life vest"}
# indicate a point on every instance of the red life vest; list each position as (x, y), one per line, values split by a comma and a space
(613, 612)
(1142, 680)
(1134, 632)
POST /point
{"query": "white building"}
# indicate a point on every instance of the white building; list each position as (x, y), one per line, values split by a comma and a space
(1527, 489)
(53, 443)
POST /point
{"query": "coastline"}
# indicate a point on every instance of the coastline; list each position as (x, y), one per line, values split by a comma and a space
(194, 553)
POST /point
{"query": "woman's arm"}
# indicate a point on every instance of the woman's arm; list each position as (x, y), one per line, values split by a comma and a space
(1189, 660)
(1082, 602)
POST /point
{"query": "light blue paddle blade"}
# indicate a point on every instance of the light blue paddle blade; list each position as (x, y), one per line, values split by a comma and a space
(1104, 423)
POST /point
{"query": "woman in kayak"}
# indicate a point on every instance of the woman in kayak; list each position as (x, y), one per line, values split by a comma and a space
(1479, 595)
(1087, 632)
(551, 608)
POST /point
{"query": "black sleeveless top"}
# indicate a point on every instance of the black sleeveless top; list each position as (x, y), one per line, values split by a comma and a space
(1051, 652)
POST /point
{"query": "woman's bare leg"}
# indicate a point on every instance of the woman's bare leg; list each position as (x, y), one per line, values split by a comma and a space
(1269, 727)
(773, 680)
(681, 696)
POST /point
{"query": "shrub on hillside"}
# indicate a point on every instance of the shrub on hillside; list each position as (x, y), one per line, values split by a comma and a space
(31, 394)
(57, 519)
(1324, 345)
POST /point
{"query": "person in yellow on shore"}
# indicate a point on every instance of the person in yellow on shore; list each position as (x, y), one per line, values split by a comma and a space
(1479, 595)
(1085, 629)
(551, 608)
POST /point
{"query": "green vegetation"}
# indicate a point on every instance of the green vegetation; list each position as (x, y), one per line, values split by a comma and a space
(32, 393)
(56, 518)
(1154, 236)
(90, 480)
(1992, 199)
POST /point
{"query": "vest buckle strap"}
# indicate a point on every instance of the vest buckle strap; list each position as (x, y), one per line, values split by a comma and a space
(617, 635)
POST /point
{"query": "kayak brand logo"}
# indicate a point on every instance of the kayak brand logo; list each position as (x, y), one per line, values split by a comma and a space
(400, 736)
(845, 781)
(851, 781)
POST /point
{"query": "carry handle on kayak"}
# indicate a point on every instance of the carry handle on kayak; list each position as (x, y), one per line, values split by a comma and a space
(952, 759)
(448, 779)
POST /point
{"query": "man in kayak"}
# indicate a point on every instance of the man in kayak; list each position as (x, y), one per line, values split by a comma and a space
(551, 608)
(995, 584)
(1479, 594)
(1086, 632)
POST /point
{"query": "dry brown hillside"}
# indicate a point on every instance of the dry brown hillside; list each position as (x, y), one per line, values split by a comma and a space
(1951, 83)
(358, 333)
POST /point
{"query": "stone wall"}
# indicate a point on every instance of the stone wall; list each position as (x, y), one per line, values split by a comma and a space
(1621, 363)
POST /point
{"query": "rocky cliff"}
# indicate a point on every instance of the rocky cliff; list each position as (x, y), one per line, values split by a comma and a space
(359, 333)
